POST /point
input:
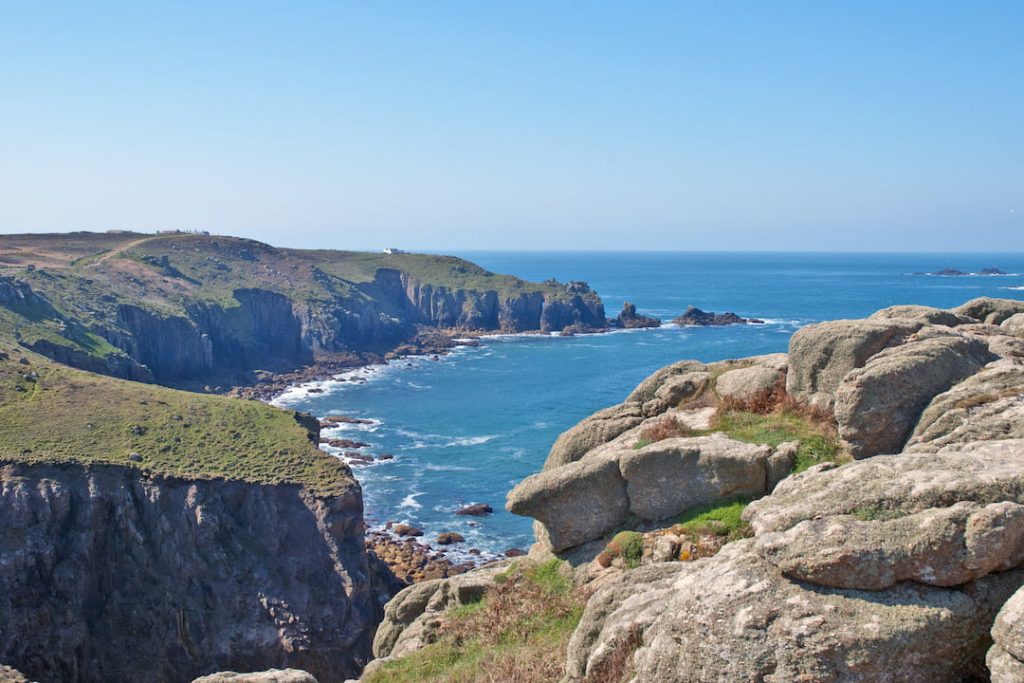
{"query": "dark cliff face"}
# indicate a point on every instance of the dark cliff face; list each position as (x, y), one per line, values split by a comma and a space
(108, 575)
(270, 331)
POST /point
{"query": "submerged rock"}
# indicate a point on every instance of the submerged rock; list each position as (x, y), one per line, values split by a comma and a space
(695, 316)
(629, 319)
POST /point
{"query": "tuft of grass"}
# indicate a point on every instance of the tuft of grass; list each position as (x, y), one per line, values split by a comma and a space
(629, 545)
(518, 632)
(718, 519)
(818, 441)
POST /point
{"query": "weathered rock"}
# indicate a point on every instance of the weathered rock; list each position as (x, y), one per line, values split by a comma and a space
(1006, 658)
(821, 355)
(877, 405)
(746, 384)
(576, 503)
(734, 617)
(1014, 324)
(989, 310)
(647, 389)
(475, 510)
(11, 675)
(669, 476)
(986, 406)
(896, 485)
(629, 319)
(675, 390)
(781, 462)
(695, 316)
(927, 315)
(599, 428)
(945, 546)
(269, 676)
(412, 617)
(407, 530)
(449, 537)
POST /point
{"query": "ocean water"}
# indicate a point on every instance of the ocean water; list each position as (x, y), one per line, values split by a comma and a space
(466, 428)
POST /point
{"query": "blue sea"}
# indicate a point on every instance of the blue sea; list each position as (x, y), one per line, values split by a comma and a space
(466, 428)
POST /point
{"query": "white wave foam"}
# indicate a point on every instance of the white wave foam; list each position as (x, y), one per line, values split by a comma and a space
(1018, 289)
(470, 440)
(410, 501)
(446, 468)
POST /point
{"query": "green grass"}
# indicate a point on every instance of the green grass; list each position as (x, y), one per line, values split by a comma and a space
(818, 443)
(719, 519)
(517, 633)
(629, 545)
(50, 413)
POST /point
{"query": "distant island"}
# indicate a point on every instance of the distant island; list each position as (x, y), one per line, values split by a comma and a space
(953, 272)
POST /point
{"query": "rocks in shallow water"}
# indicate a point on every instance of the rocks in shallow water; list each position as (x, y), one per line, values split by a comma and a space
(1006, 657)
(877, 405)
(409, 561)
(269, 676)
(476, 510)
(449, 537)
(630, 319)
(735, 617)
(515, 552)
(695, 316)
(407, 530)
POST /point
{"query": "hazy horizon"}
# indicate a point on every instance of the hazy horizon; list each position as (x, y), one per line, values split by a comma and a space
(846, 127)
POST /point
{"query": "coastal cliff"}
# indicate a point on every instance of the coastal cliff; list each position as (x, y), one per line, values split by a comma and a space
(107, 574)
(155, 535)
(184, 308)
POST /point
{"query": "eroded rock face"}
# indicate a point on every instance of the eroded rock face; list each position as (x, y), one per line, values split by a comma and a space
(735, 617)
(593, 497)
(1006, 658)
(107, 575)
(669, 476)
(989, 310)
(877, 405)
(821, 355)
(599, 428)
(749, 383)
(412, 618)
(927, 315)
(986, 406)
(1014, 324)
(576, 503)
(941, 519)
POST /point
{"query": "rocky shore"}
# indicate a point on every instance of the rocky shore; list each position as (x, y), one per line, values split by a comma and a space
(849, 511)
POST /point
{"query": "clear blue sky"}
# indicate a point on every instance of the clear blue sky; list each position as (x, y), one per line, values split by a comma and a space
(520, 125)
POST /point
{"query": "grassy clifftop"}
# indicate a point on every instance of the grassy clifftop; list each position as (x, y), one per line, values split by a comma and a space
(52, 413)
(166, 272)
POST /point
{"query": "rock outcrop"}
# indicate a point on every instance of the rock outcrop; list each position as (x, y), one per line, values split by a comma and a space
(889, 568)
(877, 405)
(107, 574)
(412, 618)
(1005, 659)
(695, 316)
(735, 617)
(629, 319)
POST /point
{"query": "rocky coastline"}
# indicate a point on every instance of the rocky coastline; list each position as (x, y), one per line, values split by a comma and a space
(849, 511)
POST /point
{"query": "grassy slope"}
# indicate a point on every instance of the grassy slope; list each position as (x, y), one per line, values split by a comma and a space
(66, 415)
